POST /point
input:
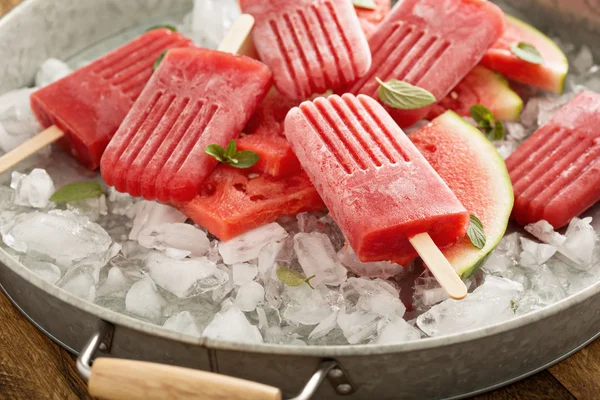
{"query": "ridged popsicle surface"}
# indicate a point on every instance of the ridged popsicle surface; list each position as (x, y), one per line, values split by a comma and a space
(310, 45)
(432, 44)
(556, 172)
(90, 104)
(196, 97)
(378, 187)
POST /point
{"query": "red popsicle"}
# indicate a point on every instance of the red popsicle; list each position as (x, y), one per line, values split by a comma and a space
(310, 45)
(432, 44)
(195, 98)
(380, 190)
(85, 109)
(556, 172)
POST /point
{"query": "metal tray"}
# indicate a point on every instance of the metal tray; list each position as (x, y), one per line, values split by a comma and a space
(449, 367)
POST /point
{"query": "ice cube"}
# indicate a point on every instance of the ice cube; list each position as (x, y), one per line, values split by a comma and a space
(307, 222)
(247, 246)
(382, 269)
(185, 278)
(545, 290)
(428, 292)
(178, 236)
(58, 236)
(183, 323)
(535, 254)
(515, 131)
(211, 19)
(17, 122)
(584, 60)
(221, 292)
(45, 270)
(33, 190)
(81, 285)
(307, 306)
(143, 300)
(581, 239)
(231, 324)
(318, 257)
(121, 203)
(93, 208)
(396, 331)
(489, 304)
(324, 327)
(267, 258)
(249, 296)
(150, 214)
(506, 147)
(549, 106)
(116, 284)
(545, 232)
(50, 71)
(244, 273)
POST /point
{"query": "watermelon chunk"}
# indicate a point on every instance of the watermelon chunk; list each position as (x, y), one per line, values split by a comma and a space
(549, 76)
(470, 165)
(369, 19)
(485, 87)
(232, 203)
(276, 156)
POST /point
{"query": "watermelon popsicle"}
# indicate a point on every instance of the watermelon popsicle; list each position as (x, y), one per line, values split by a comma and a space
(380, 190)
(432, 44)
(556, 172)
(310, 45)
(83, 110)
(196, 97)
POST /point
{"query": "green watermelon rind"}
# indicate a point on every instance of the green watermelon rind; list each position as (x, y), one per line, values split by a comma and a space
(561, 58)
(510, 96)
(467, 263)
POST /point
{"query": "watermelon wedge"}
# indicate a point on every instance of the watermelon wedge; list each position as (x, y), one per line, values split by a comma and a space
(476, 173)
(232, 203)
(369, 19)
(485, 87)
(549, 76)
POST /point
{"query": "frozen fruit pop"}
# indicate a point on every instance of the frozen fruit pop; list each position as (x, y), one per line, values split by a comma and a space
(381, 191)
(432, 44)
(310, 45)
(85, 109)
(196, 97)
(556, 172)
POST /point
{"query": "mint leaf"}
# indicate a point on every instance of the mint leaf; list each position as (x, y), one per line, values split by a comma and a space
(230, 155)
(486, 121)
(77, 191)
(403, 95)
(368, 4)
(476, 233)
(292, 277)
(527, 52)
(159, 60)
(169, 27)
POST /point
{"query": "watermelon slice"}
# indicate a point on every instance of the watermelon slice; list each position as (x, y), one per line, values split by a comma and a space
(276, 156)
(369, 19)
(232, 203)
(549, 76)
(481, 86)
(476, 173)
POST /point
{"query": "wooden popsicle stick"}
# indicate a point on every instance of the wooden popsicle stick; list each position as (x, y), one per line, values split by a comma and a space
(238, 39)
(30, 147)
(439, 266)
(114, 379)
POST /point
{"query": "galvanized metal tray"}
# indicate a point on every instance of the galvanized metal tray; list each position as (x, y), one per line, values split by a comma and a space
(449, 367)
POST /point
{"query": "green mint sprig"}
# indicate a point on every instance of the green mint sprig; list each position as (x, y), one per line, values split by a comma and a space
(230, 155)
(404, 96)
(292, 277)
(476, 233)
(77, 191)
(486, 121)
(527, 52)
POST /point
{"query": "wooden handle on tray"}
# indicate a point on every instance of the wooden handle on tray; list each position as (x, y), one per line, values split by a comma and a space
(30, 147)
(439, 266)
(115, 379)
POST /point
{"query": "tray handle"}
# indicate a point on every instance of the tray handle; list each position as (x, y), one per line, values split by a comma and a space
(117, 379)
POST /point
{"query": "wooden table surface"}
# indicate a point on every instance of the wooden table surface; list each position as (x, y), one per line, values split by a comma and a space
(33, 367)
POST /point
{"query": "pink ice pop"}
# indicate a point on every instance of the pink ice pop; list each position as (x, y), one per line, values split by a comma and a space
(195, 98)
(380, 190)
(89, 105)
(432, 44)
(310, 45)
(556, 172)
